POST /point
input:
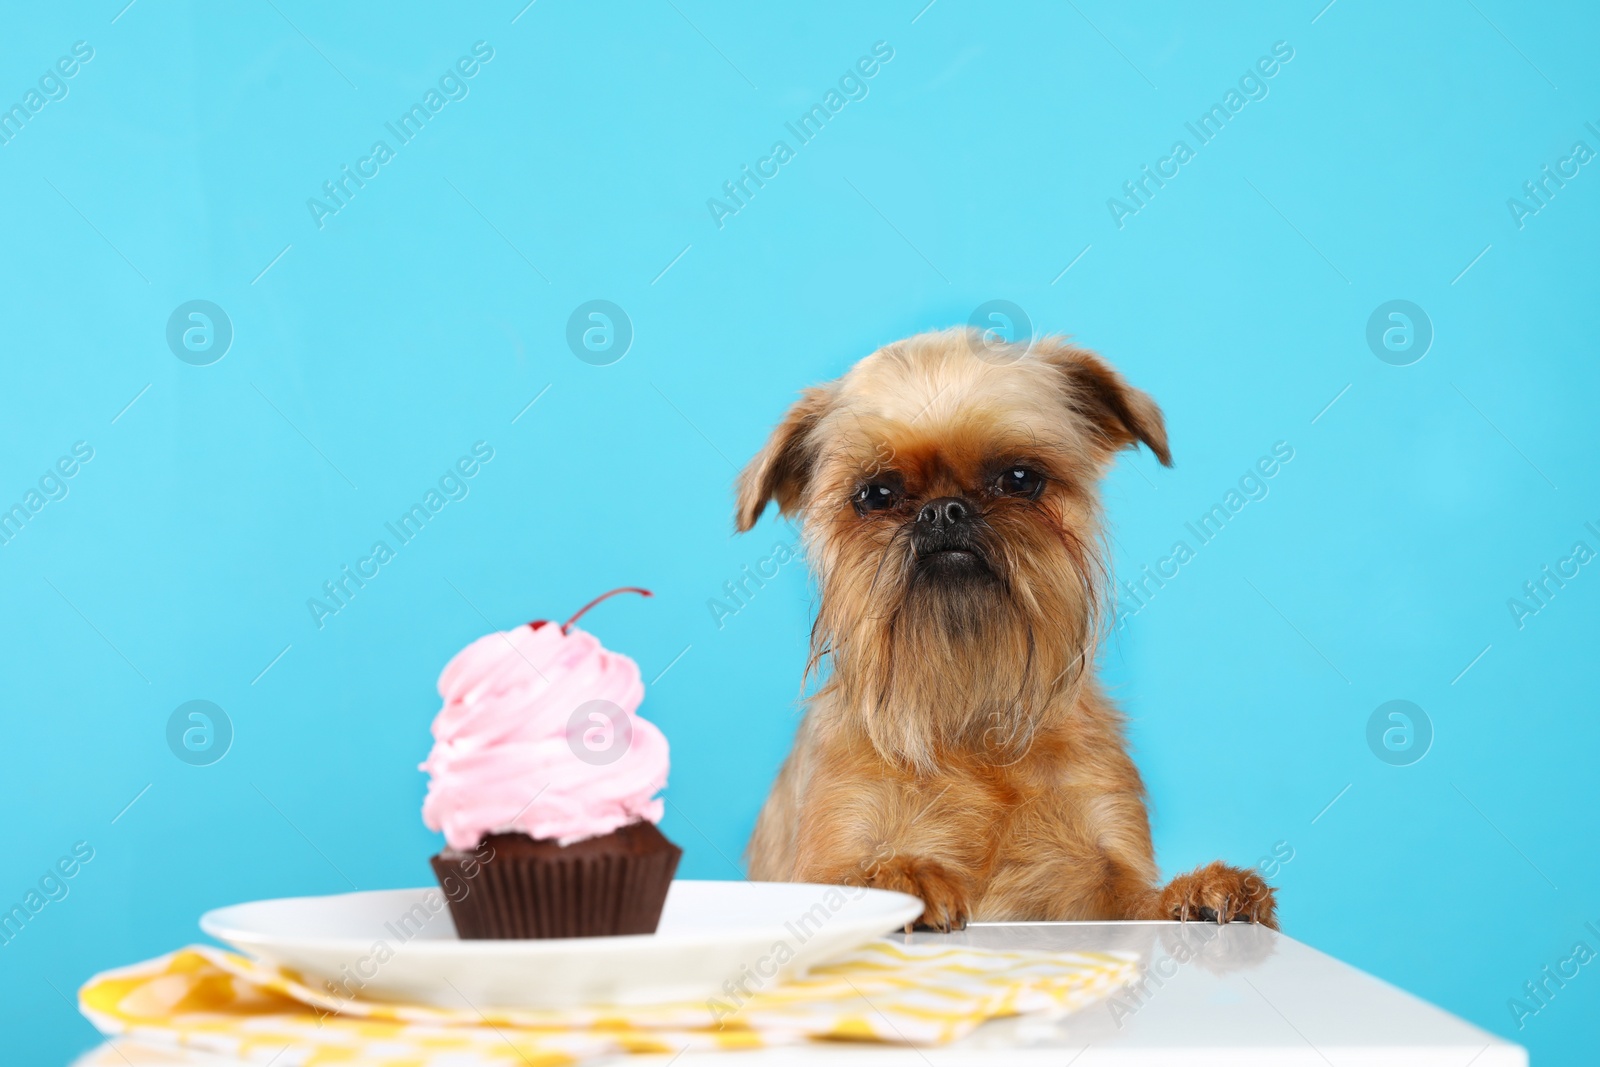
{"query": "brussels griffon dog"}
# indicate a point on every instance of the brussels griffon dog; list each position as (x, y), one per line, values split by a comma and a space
(959, 748)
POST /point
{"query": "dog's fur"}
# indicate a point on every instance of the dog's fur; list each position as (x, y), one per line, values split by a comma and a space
(959, 748)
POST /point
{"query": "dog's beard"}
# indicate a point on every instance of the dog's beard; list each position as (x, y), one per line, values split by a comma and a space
(937, 656)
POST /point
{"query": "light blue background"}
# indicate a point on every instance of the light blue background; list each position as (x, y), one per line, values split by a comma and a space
(377, 349)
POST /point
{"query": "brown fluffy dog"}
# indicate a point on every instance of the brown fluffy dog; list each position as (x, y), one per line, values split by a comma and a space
(960, 749)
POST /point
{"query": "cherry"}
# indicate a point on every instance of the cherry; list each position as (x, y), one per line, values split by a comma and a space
(535, 624)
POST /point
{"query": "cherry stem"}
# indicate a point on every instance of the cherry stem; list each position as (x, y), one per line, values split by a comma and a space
(603, 596)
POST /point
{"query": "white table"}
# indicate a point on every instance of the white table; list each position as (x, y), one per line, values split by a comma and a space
(1228, 996)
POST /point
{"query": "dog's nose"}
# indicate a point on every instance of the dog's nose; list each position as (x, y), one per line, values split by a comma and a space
(944, 512)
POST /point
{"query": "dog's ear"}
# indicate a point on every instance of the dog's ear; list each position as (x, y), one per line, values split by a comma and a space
(1123, 415)
(781, 470)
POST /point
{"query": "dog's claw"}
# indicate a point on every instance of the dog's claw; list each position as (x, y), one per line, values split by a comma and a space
(944, 895)
(1219, 894)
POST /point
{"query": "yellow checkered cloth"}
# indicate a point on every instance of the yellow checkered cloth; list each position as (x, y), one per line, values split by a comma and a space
(203, 999)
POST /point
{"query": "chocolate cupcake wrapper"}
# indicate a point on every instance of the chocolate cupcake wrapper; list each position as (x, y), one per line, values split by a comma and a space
(584, 894)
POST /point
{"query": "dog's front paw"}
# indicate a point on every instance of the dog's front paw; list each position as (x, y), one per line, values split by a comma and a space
(946, 895)
(1220, 894)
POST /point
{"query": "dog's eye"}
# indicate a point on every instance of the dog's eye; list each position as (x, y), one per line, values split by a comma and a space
(875, 496)
(1020, 481)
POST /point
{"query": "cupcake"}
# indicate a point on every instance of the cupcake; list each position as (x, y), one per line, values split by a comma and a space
(543, 780)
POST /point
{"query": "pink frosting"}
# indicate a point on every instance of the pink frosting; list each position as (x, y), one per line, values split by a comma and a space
(502, 758)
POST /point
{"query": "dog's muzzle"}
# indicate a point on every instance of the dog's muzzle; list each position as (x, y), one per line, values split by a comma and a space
(946, 529)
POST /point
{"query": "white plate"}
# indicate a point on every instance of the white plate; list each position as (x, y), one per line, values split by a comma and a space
(400, 945)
